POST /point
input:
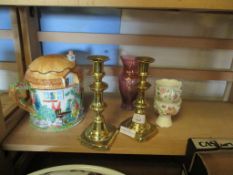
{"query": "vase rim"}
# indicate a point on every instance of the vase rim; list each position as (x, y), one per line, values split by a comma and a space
(128, 57)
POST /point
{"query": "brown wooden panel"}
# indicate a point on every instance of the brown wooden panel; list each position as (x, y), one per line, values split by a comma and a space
(12, 120)
(128, 39)
(29, 26)
(6, 34)
(231, 95)
(17, 42)
(10, 115)
(8, 104)
(185, 74)
(164, 4)
(2, 124)
(191, 74)
(8, 66)
(7, 121)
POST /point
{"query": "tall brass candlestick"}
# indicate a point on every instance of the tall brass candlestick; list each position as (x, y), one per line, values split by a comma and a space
(98, 135)
(138, 124)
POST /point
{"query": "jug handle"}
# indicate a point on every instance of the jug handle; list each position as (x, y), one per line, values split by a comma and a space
(16, 92)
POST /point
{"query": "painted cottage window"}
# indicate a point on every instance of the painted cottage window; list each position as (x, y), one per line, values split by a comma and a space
(69, 79)
(53, 95)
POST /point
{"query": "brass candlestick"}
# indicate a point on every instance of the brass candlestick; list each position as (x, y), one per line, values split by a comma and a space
(143, 130)
(98, 135)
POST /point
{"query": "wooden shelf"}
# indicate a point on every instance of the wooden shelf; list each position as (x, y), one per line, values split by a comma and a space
(140, 40)
(196, 119)
(8, 105)
(161, 4)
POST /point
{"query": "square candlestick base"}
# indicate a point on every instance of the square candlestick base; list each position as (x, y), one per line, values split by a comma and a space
(102, 144)
(143, 132)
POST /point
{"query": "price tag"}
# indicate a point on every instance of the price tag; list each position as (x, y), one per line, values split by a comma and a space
(139, 118)
(127, 131)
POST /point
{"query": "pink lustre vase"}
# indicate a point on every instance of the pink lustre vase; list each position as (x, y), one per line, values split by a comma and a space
(128, 80)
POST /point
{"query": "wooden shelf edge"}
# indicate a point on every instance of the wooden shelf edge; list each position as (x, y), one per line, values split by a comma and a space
(11, 121)
(198, 119)
(8, 104)
(6, 34)
(155, 4)
(177, 73)
(11, 66)
(133, 39)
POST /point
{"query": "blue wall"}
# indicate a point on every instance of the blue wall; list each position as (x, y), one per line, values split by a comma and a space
(6, 45)
(87, 20)
(5, 19)
(7, 51)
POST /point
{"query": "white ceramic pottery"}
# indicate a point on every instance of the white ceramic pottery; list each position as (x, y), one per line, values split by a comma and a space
(166, 110)
(167, 100)
(168, 90)
(77, 170)
(56, 97)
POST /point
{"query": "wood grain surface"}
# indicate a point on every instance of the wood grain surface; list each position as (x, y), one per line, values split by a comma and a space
(196, 119)
(143, 40)
(162, 4)
(8, 105)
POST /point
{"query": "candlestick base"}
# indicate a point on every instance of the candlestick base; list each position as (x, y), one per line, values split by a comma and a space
(99, 139)
(143, 132)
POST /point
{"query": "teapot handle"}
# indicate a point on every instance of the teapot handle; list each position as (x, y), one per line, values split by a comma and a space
(17, 92)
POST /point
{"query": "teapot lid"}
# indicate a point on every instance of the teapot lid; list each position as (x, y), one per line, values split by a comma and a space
(50, 72)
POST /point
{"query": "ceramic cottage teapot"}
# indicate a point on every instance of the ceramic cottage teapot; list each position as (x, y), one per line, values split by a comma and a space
(55, 93)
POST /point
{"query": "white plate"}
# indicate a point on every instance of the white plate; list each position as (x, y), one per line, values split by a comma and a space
(77, 170)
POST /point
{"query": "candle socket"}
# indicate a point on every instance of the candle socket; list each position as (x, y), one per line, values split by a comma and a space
(98, 135)
(143, 131)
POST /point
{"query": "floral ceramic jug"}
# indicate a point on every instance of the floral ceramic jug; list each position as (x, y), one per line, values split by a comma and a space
(54, 87)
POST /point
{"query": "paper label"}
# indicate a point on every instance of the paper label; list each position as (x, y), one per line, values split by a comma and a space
(127, 131)
(213, 143)
(139, 118)
(225, 143)
(205, 144)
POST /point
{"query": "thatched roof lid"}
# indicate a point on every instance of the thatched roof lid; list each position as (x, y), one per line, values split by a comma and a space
(48, 72)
